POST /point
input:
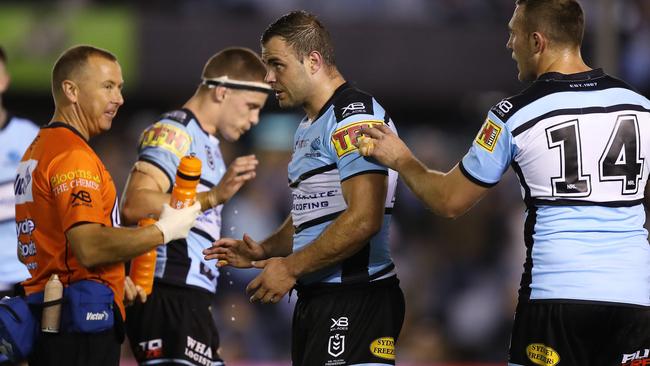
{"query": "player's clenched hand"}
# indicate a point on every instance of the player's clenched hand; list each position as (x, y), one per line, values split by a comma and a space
(381, 143)
(240, 171)
(133, 292)
(273, 283)
(236, 253)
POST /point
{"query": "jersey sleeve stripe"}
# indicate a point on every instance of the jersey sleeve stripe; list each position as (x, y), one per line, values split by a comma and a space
(473, 179)
(375, 171)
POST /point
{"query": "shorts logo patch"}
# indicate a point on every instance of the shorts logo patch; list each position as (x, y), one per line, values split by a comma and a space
(383, 347)
(345, 137)
(336, 345)
(638, 358)
(541, 354)
(489, 135)
(167, 137)
(151, 349)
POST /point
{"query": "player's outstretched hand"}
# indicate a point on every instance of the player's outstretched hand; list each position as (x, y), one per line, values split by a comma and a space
(236, 253)
(240, 171)
(133, 292)
(273, 283)
(381, 143)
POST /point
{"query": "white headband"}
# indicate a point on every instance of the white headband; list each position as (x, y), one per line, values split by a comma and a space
(237, 84)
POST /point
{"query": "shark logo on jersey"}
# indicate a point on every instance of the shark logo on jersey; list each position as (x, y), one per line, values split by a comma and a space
(208, 153)
(489, 135)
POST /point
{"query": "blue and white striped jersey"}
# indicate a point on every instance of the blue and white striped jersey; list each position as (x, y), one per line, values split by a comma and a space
(15, 137)
(323, 157)
(163, 144)
(580, 146)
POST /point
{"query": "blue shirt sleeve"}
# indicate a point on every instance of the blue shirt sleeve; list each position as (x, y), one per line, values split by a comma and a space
(163, 144)
(490, 154)
(343, 135)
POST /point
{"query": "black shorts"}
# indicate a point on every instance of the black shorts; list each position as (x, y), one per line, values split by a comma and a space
(174, 326)
(576, 333)
(347, 324)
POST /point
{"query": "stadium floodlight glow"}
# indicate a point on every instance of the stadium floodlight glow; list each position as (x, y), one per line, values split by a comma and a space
(236, 84)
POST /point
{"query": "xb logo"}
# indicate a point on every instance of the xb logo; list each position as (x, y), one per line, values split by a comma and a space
(340, 322)
(82, 196)
(356, 106)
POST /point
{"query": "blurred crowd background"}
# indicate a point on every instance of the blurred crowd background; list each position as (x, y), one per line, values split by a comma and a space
(436, 66)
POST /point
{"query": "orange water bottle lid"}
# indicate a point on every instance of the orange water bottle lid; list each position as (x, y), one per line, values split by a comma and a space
(189, 171)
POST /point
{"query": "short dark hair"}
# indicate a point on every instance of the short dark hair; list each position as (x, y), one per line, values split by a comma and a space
(72, 60)
(304, 33)
(3, 55)
(561, 20)
(237, 63)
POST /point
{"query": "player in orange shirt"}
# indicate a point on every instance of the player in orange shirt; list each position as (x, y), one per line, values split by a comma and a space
(67, 215)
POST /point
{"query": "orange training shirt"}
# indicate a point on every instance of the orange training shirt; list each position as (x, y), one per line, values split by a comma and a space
(62, 183)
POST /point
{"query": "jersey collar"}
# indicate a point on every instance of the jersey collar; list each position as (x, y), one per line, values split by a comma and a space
(330, 101)
(57, 124)
(193, 117)
(586, 75)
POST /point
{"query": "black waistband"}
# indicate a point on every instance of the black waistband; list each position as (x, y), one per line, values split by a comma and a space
(184, 290)
(327, 288)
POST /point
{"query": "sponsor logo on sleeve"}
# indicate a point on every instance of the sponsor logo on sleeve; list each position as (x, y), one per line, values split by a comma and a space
(383, 347)
(79, 178)
(23, 182)
(81, 198)
(541, 354)
(489, 135)
(345, 137)
(168, 137)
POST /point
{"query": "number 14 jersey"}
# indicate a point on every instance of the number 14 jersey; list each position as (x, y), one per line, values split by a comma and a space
(580, 146)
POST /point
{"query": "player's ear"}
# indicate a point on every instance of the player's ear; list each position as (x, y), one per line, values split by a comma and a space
(314, 61)
(219, 94)
(538, 42)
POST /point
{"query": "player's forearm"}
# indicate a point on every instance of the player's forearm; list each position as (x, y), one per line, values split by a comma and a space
(142, 203)
(208, 199)
(100, 245)
(427, 184)
(280, 243)
(342, 239)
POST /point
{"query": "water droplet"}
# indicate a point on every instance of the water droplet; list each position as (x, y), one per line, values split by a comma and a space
(230, 282)
(228, 273)
(232, 318)
(233, 306)
(232, 229)
(236, 212)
